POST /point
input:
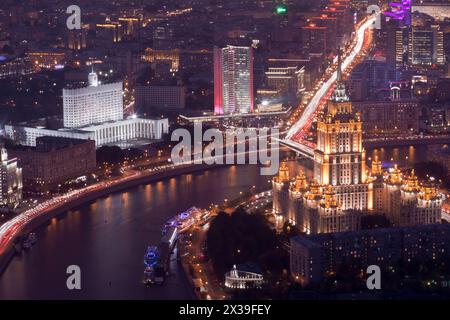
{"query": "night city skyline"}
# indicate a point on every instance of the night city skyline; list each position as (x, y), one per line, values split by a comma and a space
(225, 150)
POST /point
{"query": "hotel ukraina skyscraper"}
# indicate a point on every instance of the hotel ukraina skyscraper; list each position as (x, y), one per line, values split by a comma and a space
(343, 189)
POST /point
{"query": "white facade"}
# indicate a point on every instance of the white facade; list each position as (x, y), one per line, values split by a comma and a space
(129, 129)
(94, 104)
(105, 133)
(10, 181)
(93, 113)
(237, 279)
(26, 135)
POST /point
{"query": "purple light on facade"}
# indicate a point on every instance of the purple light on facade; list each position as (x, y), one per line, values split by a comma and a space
(400, 11)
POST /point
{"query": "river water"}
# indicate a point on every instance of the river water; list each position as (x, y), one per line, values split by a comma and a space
(108, 238)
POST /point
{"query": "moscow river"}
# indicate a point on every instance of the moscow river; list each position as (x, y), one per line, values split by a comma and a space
(108, 238)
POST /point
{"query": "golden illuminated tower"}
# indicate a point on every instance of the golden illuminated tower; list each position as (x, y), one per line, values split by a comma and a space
(301, 184)
(411, 183)
(283, 173)
(392, 202)
(376, 167)
(297, 190)
(329, 199)
(428, 206)
(377, 181)
(280, 190)
(339, 159)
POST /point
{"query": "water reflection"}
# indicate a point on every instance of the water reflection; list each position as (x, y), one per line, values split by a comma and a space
(403, 156)
(107, 239)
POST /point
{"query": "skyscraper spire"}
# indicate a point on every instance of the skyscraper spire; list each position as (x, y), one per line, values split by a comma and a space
(339, 94)
(93, 78)
(339, 70)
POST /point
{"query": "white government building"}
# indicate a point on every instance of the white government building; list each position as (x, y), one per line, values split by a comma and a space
(94, 112)
(93, 104)
(243, 279)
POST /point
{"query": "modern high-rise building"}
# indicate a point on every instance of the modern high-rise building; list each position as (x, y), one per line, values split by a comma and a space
(426, 46)
(94, 104)
(10, 181)
(396, 45)
(233, 80)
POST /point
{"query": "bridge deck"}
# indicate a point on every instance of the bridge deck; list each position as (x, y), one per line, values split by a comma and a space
(299, 148)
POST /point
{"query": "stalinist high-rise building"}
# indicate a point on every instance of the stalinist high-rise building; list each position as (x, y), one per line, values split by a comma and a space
(343, 189)
(339, 159)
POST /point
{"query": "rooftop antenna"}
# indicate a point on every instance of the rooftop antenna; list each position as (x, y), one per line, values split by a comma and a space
(339, 71)
(339, 94)
(93, 78)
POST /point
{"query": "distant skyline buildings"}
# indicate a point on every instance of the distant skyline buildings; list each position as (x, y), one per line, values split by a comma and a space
(397, 38)
(233, 80)
(400, 11)
(426, 46)
(420, 43)
(439, 10)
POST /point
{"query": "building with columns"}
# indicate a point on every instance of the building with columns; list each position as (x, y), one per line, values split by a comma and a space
(343, 188)
(94, 112)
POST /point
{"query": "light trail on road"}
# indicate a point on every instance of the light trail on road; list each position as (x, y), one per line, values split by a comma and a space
(326, 89)
(10, 229)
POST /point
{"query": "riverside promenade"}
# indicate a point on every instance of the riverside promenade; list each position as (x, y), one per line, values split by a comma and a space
(82, 196)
